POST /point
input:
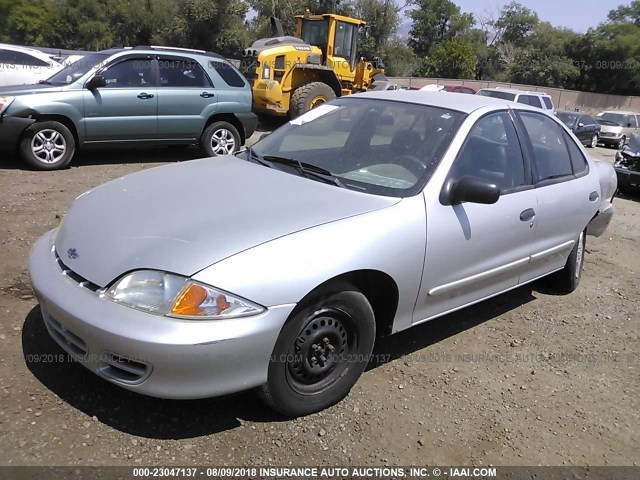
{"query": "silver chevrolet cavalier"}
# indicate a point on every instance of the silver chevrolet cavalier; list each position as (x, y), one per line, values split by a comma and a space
(277, 269)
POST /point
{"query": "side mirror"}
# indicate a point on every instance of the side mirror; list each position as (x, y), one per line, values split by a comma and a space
(580, 125)
(629, 125)
(96, 82)
(474, 190)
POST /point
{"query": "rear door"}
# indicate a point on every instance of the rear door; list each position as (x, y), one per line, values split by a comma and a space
(567, 197)
(186, 98)
(475, 250)
(126, 109)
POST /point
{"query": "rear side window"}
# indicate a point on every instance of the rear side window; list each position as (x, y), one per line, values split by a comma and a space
(228, 73)
(578, 162)
(19, 58)
(550, 152)
(530, 100)
(182, 73)
(547, 103)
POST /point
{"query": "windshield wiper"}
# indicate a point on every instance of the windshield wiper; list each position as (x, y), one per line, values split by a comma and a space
(44, 82)
(253, 156)
(306, 169)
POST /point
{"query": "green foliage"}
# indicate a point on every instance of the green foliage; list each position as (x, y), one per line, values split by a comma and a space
(515, 23)
(435, 22)
(454, 58)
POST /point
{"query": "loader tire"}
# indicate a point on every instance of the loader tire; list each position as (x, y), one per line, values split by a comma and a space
(309, 96)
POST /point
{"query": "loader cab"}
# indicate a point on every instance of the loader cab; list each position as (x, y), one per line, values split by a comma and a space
(336, 36)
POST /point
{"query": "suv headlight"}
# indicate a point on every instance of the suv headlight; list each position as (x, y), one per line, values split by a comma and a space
(162, 293)
(5, 102)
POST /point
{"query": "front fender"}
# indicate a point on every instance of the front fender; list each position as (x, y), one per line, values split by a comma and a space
(284, 270)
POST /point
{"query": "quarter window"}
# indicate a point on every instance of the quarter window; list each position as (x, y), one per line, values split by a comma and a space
(547, 103)
(228, 73)
(492, 152)
(182, 73)
(549, 148)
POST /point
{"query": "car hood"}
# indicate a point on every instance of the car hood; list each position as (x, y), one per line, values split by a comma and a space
(17, 90)
(184, 217)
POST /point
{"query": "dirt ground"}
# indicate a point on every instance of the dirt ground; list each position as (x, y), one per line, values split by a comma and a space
(527, 378)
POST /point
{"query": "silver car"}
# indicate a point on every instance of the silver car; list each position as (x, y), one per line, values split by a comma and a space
(617, 127)
(277, 268)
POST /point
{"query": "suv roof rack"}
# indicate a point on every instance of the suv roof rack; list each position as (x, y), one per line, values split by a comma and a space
(177, 49)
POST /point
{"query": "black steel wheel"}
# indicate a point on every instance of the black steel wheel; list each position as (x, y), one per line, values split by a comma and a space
(321, 352)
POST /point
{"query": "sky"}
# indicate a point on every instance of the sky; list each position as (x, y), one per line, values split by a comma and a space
(578, 15)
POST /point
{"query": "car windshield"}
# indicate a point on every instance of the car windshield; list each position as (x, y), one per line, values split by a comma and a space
(498, 94)
(380, 147)
(77, 69)
(569, 119)
(618, 118)
(607, 123)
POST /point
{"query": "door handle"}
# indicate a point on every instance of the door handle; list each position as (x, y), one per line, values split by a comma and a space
(527, 214)
(144, 96)
(207, 95)
(594, 196)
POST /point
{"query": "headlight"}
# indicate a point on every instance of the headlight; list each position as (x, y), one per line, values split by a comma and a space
(618, 158)
(5, 102)
(266, 72)
(164, 293)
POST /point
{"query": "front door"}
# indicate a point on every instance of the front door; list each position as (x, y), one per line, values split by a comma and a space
(126, 109)
(476, 250)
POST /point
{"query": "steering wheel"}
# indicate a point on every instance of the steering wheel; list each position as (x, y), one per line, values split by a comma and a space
(411, 163)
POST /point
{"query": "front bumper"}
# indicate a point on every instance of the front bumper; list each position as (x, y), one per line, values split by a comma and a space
(150, 354)
(627, 178)
(11, 129)
(610, 140)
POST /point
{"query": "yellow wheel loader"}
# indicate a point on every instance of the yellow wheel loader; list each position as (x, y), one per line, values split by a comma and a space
(292, 75)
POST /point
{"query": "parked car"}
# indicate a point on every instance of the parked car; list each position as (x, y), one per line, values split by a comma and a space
(627, 164)
(23, 66)
(146, 95)
(619, 127)
(393, 208)
(583, 126)
(449, 88)
(535, 99)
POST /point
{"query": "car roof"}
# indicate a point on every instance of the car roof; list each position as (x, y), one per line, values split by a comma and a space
(621, 112)
(461, 103)
(166, 50)
(516, 91)
(32, 51)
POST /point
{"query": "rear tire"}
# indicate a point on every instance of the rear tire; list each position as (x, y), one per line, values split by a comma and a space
(321, 352)
(47, 146)
(309, 96)
(220, 138)
(567, 280)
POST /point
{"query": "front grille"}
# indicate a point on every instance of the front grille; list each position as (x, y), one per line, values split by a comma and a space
(122, 369)
(64, 337)
(81, 281)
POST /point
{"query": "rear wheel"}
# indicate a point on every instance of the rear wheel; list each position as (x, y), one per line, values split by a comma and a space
(321, 352)
(47, 146)
(220, 138)
(309, 96)
(568, 279)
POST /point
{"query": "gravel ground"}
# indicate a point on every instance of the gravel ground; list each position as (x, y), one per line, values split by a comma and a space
(526, 378)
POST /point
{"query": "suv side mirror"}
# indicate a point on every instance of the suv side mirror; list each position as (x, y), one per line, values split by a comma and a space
(96, 82)
(580, 125)
(474, 190)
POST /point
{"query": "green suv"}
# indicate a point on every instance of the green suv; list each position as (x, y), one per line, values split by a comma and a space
(141, 95)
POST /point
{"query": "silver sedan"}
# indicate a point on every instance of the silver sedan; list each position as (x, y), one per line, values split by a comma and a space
(277, 269)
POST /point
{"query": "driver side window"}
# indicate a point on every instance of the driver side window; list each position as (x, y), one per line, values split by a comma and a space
(129, 74)
(492, 152)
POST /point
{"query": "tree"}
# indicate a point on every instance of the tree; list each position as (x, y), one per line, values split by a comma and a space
(435, 22)
(515, 24)
(383, 18)
(26, 23)
(454, 58)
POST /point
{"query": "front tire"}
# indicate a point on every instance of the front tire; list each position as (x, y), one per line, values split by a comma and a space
(567, 280)
(220, 138)
(321, 352)
(309, 96)
(47, 146)
(621, 143)
(594, 142)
